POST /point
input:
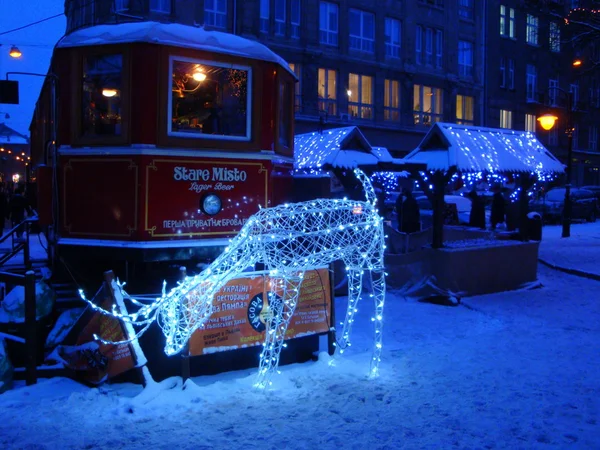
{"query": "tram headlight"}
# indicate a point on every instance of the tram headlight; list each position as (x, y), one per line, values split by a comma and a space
(211, 204)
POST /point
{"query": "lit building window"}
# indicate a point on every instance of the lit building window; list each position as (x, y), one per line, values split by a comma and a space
(465, 114)
(505, 119)
(530, 122)
(327, 91)
(360, 96)
(391, 100)
(427, 105)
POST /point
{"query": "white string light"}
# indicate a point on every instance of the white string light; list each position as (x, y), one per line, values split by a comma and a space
(288, 239)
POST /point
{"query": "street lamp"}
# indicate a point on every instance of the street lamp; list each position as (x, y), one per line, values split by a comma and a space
(15, 52)
(547, 122)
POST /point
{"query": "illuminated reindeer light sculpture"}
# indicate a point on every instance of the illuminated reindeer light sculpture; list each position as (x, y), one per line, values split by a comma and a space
(289, 239)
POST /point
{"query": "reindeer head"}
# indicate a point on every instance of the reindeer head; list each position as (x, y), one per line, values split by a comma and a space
(184, 310)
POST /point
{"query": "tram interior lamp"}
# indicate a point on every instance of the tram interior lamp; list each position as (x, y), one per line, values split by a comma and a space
(15, 52)
(547, 121)
(199, 76)
(107, 92)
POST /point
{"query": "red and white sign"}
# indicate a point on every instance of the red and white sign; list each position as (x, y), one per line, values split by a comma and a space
(176, 189)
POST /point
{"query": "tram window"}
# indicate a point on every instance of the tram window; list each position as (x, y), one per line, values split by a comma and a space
(101, 96)
(209, 101)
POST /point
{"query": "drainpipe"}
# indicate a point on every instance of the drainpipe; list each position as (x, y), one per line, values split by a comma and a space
(234, 16)
(485, 63)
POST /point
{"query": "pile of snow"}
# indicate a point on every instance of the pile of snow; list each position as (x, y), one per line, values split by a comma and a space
(481, 242)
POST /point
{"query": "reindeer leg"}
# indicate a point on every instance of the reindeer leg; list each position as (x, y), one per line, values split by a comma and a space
(378, 293)
(277, 327)
(354, 291)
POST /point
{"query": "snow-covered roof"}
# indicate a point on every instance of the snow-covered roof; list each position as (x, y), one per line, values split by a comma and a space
(344, 148)
(174, 34)
(478, 149)
(10, 136)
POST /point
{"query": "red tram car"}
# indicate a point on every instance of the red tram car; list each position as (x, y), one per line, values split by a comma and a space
(156, 142)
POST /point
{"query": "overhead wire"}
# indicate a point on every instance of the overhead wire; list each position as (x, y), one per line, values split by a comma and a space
(31, 24)
(77, 7)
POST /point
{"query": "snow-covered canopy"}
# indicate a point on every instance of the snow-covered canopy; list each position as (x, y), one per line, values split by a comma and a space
(344, 148)
(174, 34)
(478, 149)
(10, 136)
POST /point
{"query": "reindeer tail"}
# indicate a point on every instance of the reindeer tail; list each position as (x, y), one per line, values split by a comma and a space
(367, 186)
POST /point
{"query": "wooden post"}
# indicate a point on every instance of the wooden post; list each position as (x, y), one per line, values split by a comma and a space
(109, 276)
(331, 338)
(185, 353)
(438, 210)
(525, 183)
(30, 329)
(26, 249)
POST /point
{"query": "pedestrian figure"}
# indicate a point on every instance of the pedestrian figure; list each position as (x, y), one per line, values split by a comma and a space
(380, 193)
(477, 215)
(16, 208)
(498, 208)
(409, 216)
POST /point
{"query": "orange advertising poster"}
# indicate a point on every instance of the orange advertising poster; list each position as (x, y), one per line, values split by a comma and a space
(93, 360)
(242, 307)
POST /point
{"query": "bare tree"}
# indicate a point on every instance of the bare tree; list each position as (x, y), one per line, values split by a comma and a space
(580, 26)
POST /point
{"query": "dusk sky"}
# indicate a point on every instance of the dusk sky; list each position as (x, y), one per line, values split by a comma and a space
(36, 43)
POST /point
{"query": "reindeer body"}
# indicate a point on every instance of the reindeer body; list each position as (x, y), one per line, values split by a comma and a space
(289, 240)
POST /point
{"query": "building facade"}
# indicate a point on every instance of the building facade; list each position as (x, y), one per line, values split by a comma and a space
(530, 72)
(393, 67)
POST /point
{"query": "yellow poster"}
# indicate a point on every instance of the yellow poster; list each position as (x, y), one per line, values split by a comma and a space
(243, 306)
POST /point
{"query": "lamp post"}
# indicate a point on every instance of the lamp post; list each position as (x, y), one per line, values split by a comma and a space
(547, 122)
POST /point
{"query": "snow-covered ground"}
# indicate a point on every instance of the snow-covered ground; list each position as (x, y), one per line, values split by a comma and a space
(517, 370)
(581, 251)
